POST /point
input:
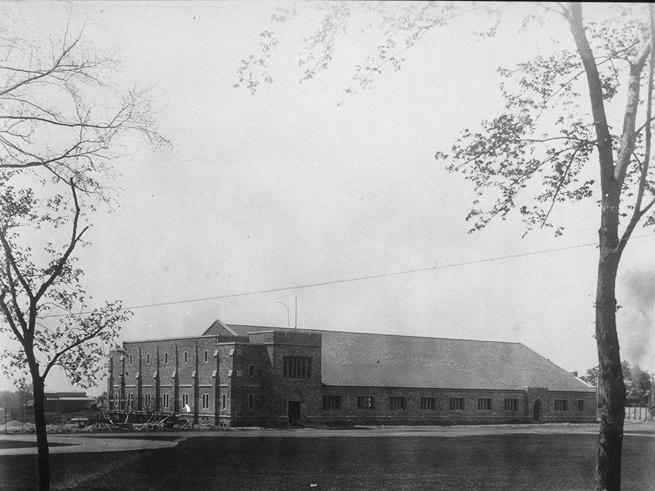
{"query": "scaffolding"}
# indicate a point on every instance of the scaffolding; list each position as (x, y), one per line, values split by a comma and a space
(124, 414)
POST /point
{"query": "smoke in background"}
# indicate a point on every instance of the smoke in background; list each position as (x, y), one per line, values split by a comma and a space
(636, 321)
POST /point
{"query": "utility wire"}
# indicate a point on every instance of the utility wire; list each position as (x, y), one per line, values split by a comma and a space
(352, 280)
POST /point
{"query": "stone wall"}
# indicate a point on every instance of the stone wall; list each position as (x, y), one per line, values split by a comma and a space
(165, 375)
(490, 411)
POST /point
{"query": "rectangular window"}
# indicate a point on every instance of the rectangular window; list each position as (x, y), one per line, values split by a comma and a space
(331, 402)
(165, 400)
(206, 358)
(456, 403)
(186, 357)
(148, 359)
(165, 358)
(130, 358)
(296, 367)
(251, 370)
(580, 404)
(251, 401)
(561, 405)
(484, 404)
(365, 402)
(130, 400)
(185, 399)
(147, 401)
(224, 401)
(428, 403)
(511, 404)
(397, 402)
(205, 401)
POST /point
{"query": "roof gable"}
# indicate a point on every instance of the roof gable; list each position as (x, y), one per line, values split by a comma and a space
(217, 328)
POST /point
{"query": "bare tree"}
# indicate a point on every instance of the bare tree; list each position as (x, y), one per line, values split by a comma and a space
(543, 149)
(61, 123)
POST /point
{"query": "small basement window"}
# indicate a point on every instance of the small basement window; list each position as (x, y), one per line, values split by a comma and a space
(396, 402)
(561, 405)
(484, 404)
(511, 404)
(365, 402)
(428, 403)
(456, 403)
(331, 402)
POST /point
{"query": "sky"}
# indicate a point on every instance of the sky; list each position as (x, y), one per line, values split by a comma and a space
(299, 184)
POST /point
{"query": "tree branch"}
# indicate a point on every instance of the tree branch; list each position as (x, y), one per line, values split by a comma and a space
(41, 74)
(62, 123)
(638, 213)
(559, 185)
(65, 350)
(9, 317)
(75, 237)
(12, 261)
(628, 135)
(604, 139)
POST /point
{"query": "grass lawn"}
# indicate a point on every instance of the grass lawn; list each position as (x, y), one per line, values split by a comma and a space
(508, 461)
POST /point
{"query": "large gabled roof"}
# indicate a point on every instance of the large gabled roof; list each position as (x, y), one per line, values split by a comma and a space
(389, 360)
(356, 359)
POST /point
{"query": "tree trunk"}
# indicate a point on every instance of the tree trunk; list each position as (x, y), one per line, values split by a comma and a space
(612, 388)
(41, 434)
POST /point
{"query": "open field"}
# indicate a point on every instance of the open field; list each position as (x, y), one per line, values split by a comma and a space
(545, 457)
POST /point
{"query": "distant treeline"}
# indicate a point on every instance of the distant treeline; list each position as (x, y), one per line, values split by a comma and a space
(638, 384)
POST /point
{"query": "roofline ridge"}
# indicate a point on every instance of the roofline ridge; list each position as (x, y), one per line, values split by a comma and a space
(264, 327)
(375, 334)
(417, 337)
(171, 338)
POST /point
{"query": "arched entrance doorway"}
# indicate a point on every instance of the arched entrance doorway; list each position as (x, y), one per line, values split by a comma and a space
(536, 411)
(294, 405)
(293, 408)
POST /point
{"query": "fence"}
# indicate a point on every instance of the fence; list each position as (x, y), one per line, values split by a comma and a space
(638, 413)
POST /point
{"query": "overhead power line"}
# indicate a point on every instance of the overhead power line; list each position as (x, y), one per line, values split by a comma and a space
(435, 267)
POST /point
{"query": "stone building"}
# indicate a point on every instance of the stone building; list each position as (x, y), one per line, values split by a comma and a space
(237, 375)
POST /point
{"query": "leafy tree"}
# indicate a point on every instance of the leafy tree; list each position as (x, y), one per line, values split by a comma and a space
(61, 123)
(642, 388)
(543, 149)
(11, 401)
(637, 382)
(591, 376)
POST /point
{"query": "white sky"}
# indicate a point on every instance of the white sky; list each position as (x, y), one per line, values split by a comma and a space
(285, 187)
